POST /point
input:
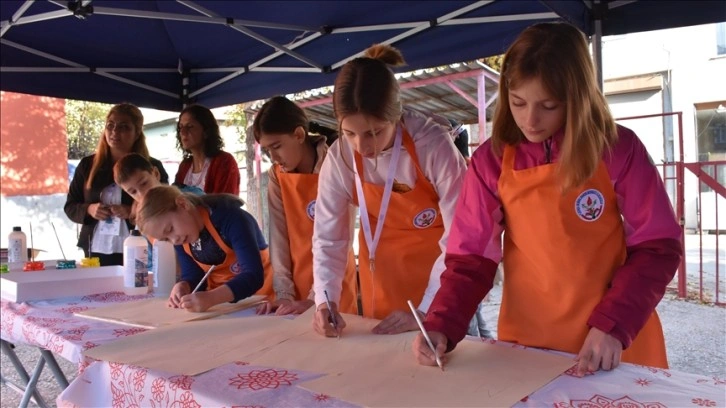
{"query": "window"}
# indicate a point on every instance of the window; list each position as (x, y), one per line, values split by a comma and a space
(711, 131)
(721, 39)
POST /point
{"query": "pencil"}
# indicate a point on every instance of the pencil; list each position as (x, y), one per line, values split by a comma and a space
(333, 320)
(426, 335)
(206, 275)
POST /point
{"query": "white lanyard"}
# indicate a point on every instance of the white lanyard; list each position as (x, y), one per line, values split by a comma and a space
(372, 241)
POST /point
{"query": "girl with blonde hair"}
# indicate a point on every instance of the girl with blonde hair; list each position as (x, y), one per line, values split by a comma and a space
(207, 230)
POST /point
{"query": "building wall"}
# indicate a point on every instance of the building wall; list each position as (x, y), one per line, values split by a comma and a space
(693, 74)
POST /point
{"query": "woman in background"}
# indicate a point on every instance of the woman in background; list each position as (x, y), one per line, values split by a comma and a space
(94, 200)
(205, 164)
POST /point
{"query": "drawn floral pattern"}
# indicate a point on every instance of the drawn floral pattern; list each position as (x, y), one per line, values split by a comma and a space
(262, 379)
(701, 402)
(51, 325)
(599, 401)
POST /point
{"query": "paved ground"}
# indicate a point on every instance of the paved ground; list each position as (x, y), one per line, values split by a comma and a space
(695, 336)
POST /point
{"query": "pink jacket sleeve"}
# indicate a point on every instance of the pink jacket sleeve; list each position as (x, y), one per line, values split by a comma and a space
(471, 259)
(652, 236)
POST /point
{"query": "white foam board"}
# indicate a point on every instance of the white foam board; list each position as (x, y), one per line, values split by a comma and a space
(57, 283)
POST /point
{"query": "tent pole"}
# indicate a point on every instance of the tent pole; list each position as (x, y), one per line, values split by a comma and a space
(598, 8)
(482, 107)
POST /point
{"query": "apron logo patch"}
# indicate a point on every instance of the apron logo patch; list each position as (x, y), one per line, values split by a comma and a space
(589, 205)
(425, 218)
(310, 210)
(235, 268)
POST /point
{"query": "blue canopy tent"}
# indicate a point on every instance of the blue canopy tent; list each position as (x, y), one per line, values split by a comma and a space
(163, 54)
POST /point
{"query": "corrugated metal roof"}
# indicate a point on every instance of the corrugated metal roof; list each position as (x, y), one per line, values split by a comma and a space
(423, 89)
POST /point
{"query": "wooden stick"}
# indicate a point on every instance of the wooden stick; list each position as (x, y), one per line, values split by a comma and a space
(59, 244)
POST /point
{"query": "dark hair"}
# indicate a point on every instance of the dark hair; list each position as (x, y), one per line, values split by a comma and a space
(213, 142)
(128, 165)
(367, 85)
(277, 116)
(331, 135)
(461, 140)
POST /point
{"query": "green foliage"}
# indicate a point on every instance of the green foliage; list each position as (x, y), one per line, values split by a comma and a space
(494, 62)
(84, 125)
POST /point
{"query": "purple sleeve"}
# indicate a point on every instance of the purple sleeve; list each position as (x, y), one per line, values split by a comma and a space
(471, 262)
(652, 236)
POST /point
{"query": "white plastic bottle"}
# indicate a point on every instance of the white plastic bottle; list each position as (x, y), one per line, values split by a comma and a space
(164, 268)
(136, 271)
(17, 249)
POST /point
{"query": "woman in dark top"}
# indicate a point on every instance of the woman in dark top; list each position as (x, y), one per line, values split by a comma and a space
(93, 196)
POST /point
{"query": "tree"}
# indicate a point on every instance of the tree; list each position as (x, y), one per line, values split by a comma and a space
(84, 125)
(239, 117)
(494, 62)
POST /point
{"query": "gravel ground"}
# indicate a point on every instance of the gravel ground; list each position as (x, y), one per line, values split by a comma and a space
(695, 336)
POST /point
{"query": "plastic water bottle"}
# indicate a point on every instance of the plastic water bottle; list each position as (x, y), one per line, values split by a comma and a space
(164, 267)
(136, 271)
(17, 249)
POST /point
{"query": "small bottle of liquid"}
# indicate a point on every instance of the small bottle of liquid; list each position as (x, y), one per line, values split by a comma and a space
(136, 271)
(17, 249)
(164, 268)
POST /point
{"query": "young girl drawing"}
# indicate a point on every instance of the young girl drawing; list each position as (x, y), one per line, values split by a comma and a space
(590, 238)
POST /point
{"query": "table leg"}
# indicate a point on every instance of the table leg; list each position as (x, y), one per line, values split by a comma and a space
(28, 391)
(32, 383)
(60, 378)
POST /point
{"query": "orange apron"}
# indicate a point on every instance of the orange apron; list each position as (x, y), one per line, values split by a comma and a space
(408, 246)
(225, 271)
(561, 252)
(299, 192)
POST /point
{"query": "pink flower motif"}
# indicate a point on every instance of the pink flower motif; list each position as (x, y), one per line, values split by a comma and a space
(72, 309)
(572, 371)
(8, 318)
(599, 401)
(83, 365)
(719, 381)
(118, 394)
(116, 371)
(261, 379)
(183, 382)
(77, 333)
(128, 332)
(89, 345)
(321, 397)
(643, 382)
(703, 402)
(187, 401)
(157, 389)
(139, 378)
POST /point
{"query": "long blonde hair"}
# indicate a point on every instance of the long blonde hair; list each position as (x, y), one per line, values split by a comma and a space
(162, 200)
(165, 199)
(557, 54)
(103, 151)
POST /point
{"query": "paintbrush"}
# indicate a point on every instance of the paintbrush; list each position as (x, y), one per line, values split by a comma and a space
(206, 275)
(59, 243)
(426, 335)
(32, 251)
